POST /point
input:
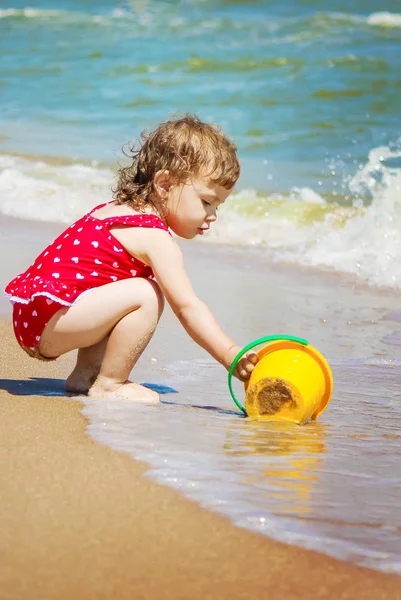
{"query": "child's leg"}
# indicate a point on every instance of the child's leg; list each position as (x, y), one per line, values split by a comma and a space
(87, 368)
(126, 313)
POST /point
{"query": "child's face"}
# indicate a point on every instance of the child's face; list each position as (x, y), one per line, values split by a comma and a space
(192, 206)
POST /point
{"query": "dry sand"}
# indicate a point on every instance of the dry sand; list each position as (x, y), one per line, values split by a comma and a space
(79, 520)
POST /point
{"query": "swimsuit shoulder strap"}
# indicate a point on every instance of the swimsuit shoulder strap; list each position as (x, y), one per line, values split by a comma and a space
(97, 207)
(140, 220)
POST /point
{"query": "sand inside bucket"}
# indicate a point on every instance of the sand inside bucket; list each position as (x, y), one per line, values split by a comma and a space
(269, 395)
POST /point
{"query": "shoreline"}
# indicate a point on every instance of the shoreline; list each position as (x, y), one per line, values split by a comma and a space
(27, 237)
(80, 520)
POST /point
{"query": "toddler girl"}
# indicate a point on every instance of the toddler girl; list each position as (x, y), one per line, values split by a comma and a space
(100, 286)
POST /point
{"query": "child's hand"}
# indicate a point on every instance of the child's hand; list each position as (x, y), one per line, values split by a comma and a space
(245, 365)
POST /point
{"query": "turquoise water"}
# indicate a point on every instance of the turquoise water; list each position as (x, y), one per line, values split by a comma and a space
(332, 485)
(308, 90)
(304, 88)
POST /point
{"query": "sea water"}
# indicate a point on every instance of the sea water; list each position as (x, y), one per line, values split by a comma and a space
(332, 485)
(310, 94)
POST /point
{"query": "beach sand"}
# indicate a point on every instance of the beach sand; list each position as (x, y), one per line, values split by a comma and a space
(79, 520)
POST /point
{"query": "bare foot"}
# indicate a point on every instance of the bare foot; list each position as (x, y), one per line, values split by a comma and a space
(126, 391)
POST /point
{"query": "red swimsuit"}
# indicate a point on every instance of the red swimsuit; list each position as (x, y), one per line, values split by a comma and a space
(83, 257)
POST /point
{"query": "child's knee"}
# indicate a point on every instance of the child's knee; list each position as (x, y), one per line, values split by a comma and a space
(153, 298)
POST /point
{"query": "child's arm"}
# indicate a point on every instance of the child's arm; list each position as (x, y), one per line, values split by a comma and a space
(164, 256)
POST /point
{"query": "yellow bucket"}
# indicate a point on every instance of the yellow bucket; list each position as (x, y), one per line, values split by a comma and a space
(292, 381)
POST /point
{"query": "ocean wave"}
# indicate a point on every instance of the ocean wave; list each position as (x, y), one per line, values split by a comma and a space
(29, 13)
(63, 16)
(369, 243)
(40, 14)
(325, 20)
(37, 190)
(385, 19)
(326, 25)
(164, 15)
(160, 15)
(199, 64)
(158, 18)
(362, 238)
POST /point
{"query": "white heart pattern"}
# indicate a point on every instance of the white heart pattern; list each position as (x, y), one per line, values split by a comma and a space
(113, 277)
(98, 262)
(48, 301)
(79, 276)
(58, 247)
(80, 229)
(75, 259)
(95, 244)
(25, 325)
(76, 242)
(34, 313)
(56, 275)
(133, 273)
(116, 265)
(94, 274)
(99, 227)
(56, 259)
(37, 338)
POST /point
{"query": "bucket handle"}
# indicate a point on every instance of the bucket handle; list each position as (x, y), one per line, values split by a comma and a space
(269, 338)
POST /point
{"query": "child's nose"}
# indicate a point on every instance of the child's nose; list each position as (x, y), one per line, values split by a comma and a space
(212, 217)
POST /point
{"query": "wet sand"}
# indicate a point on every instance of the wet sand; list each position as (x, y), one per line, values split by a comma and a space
(79, 520)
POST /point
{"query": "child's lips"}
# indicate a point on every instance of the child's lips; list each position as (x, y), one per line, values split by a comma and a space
(203, 229)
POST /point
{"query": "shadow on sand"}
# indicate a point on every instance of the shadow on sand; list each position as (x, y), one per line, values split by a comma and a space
(43, 386)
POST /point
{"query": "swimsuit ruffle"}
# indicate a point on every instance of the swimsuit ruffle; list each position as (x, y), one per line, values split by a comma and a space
(16, 300)
(23, 291)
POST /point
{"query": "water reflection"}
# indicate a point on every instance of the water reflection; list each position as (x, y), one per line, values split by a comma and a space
(288, 458)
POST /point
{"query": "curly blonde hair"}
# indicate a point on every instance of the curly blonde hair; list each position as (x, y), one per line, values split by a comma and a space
(187, 148)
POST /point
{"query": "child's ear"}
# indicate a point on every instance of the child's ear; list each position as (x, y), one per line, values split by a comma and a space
(162, 183)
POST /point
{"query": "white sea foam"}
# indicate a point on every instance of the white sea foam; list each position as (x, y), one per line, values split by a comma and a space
(381, 19)
(45, 192)
(385, 19)
(28, 13)
(298, 226)
(63, 16)
(358, 239)
(368, 244)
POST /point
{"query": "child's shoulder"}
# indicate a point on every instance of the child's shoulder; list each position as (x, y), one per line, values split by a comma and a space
(115, 216)
(112, 209)
(142, 236)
